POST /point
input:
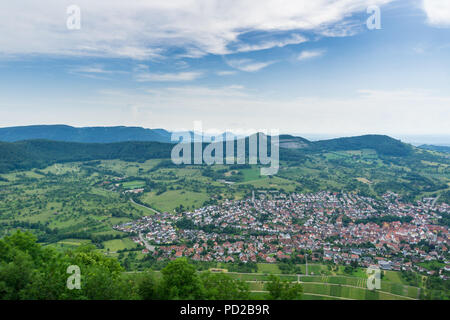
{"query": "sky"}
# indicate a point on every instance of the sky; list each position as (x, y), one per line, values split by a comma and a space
(297, 66)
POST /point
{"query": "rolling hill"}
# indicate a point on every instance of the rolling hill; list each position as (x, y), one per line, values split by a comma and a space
(38, 153)
(384, 145)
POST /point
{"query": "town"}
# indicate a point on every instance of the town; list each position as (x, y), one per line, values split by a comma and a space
(339, 228)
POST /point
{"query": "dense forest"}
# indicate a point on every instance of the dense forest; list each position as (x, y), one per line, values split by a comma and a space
(384, 145)
(41, 153)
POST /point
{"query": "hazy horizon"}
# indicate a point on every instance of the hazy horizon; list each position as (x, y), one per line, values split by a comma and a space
(442, 140)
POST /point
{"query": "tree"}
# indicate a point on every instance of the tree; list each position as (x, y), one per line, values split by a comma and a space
(26, 268)
(147, 287)
(219, 286)
(180, 281)
(100, 275)
(30, 271)
(283, 290)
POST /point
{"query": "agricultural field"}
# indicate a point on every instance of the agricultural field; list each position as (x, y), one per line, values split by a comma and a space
(133, 184)
(334, 286)
(171, 199)
(118, 244)
(268, 268)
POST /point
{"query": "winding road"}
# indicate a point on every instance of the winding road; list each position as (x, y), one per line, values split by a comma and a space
(141, 237)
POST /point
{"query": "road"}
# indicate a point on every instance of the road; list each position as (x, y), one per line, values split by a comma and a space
(146, 244)
(434, 201)
(141, 237)
(141, 205)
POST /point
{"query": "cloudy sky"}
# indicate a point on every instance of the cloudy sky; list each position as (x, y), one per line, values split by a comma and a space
(299, 66)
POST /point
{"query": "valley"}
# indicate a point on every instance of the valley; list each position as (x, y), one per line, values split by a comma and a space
(98, 201)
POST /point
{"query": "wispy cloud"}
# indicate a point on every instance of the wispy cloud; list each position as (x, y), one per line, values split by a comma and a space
(249, 65)
(150, 29)
(293, 39)
(167, 77)
(95, 71)
(225, 73)
(310, 54)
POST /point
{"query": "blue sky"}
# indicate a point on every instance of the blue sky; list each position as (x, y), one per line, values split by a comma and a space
(307, 67)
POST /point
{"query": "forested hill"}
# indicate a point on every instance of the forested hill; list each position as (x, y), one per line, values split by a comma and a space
(384, 145)
(40, 153)
(86, 134)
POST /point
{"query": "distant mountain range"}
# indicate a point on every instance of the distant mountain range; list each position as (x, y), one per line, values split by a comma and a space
(39, 146)
(86, 134)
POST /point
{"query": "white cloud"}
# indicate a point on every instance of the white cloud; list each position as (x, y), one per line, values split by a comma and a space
(293, 39)
(438, 12)
(310, 54)
(167, 77)
(95, 69)
(146, 29)
(225, 73)
(94, 72)
(248, 65)
(91, 69)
